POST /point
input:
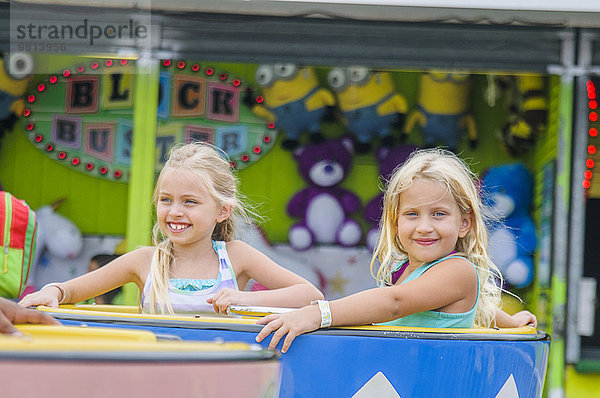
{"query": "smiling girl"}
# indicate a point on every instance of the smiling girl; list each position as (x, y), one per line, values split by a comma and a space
(435, 269)
(195, 266)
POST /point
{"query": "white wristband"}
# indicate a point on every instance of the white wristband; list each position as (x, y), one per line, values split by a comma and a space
(325, 313)
(63, 295)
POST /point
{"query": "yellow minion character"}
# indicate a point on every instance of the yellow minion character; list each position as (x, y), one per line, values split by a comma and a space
(528, 111)
(293, 99)
(442, 110)
(369, 104)
(15, 71)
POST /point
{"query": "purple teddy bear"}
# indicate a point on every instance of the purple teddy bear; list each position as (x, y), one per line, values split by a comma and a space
(323, 207)
(388, 159)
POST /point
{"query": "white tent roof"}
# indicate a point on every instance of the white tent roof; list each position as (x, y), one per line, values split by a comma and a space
(574, 13)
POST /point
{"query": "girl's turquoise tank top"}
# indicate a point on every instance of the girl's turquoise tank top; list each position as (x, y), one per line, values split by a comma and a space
(436, 319)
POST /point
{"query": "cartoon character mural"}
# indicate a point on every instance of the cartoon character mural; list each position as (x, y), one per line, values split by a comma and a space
(527, 112)
(442, 110)
(369, 104)
(15, 70)
(324, 208)
(512, 239)
(293, 99)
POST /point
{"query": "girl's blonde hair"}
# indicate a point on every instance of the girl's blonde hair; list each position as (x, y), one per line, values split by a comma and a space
(211, 167)
(444, 167)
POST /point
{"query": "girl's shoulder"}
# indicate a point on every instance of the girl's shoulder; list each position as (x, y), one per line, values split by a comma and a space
(139, 257)
(457, 264)
(237, 248)
(456, 260)
(142, 251)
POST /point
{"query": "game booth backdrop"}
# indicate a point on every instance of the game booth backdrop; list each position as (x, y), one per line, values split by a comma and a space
(312, 147)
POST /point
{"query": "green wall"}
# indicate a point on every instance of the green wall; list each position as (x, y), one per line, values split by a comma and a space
(96, 206)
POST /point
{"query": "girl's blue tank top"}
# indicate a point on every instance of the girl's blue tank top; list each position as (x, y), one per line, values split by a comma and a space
(436, 319)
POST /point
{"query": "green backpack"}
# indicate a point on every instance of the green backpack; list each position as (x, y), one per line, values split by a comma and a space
(18, 228)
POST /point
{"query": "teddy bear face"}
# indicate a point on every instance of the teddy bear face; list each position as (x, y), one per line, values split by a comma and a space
(325, 164)
(326, 173)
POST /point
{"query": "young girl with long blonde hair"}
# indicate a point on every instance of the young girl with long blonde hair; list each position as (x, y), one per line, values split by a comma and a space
(435, 269)
(196, 266)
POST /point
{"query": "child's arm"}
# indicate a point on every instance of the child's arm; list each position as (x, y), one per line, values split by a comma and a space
(451, 285)
(521, 318)
(286, 289)
(126, 268)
